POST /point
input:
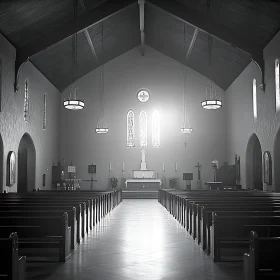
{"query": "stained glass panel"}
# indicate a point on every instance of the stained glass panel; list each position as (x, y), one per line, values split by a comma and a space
(156, 129)
(277, 84)
(26, 100)
(143, 129)
(255, 99)
(45, 112)
(130, 129)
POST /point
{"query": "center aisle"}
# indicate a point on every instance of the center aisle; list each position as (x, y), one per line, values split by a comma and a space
(139, 239)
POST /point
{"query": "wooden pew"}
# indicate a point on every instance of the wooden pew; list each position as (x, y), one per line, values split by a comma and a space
(47, 213)
(55, 233)
(205, 221)
(12, 266)
(262, 261)
(68, 209)
(229, 231)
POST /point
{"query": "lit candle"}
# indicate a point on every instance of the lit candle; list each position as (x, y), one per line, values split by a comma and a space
(176, 166)
(110, 167)
(163, 169)
(123, 166)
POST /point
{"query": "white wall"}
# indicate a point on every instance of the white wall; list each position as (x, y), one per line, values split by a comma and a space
(239, 106)
(124, 76)
(12, 125)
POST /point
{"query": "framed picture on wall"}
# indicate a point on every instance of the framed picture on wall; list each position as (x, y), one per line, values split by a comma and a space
(267, 167)
(11, 169)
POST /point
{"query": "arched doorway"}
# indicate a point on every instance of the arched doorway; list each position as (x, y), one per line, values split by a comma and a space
(254, 164)
(277, 162)
(26, 164)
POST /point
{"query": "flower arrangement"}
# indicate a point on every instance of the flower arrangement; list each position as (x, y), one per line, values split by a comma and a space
(172, 182)
(114, 181)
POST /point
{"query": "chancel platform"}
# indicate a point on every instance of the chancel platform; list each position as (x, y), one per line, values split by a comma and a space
(144, 183)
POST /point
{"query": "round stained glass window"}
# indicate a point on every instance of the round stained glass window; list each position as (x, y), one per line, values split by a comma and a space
(143, 95)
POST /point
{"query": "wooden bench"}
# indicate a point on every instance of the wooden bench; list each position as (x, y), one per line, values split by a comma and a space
(229, 231)
(12, 266)
(262, 261)
(55, 233)
(47, 213)
(205, 219)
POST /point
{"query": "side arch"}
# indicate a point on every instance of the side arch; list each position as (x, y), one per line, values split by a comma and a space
(26, 164)
(254, 168)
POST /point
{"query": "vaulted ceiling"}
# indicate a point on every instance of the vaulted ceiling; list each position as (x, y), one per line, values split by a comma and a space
(41, 31)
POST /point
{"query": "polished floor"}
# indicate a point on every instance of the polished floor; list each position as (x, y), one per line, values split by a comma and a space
(139, 240)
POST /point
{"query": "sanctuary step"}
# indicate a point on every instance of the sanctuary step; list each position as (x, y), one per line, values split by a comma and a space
(139, 194)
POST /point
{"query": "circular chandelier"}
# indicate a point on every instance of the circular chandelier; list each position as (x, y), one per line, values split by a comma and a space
(74, 103)
(101, 127)
(211, 102)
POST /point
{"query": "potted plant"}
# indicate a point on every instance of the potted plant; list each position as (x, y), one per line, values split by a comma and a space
(114, 182)
(172, 182)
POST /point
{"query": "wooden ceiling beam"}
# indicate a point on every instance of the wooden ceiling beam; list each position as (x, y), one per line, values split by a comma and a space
(83, 21)
(206, 23)
(142, 24)
(90, 43)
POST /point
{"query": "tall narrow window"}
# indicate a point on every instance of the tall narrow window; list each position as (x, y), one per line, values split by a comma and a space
(156, 129)
(45, 112)
(143, 129)
(277, 84)
(0, 85)
(26, 101)
(255, 99)
(130, 129)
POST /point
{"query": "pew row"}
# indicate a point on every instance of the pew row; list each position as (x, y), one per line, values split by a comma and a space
(262, 260)
(13, 266)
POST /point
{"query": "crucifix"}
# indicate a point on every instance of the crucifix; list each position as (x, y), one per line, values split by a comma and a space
(91, 170)
(91, 181)
(199, 183)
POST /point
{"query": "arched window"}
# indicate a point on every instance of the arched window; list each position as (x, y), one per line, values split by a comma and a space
(143, 129)
(277, 84)
(45, 112)
(255, 99)
(156, 129)
(0, 85)
(26, 102)
(130, 129)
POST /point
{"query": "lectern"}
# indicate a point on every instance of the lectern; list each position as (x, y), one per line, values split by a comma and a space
(188, 177)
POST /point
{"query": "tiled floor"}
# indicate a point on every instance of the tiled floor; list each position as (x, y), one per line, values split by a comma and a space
(140, 240)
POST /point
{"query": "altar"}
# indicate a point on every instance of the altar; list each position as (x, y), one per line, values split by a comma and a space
(143, 184)
(143, 180)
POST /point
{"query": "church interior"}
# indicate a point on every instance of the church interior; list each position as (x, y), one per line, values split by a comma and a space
(140, 139)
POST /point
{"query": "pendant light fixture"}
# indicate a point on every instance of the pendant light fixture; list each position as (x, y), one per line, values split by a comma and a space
(101, 127)
(186, 125)
(211, 102)
(74, 103)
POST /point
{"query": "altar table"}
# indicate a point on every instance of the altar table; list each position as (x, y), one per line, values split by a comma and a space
(143, 184)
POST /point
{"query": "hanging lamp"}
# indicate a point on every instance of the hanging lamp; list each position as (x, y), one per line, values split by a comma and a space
(101, 127)
(74, 103)
(186, 125)
(186, 129)
(211, 102)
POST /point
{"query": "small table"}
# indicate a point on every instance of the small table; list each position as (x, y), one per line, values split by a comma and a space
(214, 185)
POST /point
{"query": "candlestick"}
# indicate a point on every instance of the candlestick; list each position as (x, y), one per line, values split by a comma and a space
(110, 167)
(176, 166)
(123, 166)
(163, 168)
